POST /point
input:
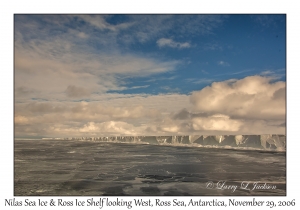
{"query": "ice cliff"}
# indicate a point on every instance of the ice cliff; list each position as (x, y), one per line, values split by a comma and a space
(264, 142)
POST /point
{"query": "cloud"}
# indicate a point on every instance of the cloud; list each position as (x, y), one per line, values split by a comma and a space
(58, 52)
(38, 108)
(53, 52)
(279, 94)
(269, 20)
(117, 114)
(200, 80)
(60, 60)
(138, 87)
(109, 128)
(267, 72)
(150, 27)
(99, 21)
(45, 70)
(170, 129)
(107, 32)
(276, 74)
(170, 89)
(77, 92)
(182, 114)
(21, 120)
(21, 91)
(253, 105)
(216, 123)
(57, 118)
(235, 73)
(223, 63)
(82, 35)
(85, 111)
(163, 42)
(161, 78)
(254, 97)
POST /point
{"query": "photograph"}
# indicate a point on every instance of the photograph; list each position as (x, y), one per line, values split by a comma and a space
(149, 105)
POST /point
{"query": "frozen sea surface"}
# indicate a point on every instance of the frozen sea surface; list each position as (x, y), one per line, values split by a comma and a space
(53, 167)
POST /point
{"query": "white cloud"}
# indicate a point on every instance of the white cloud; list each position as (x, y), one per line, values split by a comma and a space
(82, 35)
(216, 123)
(20, 120)
(276, 74)
(109, 128)
(200, 80)
(46, 70)
(67, 62)
(253, 105)
(149, 27)
(99, 21)
(267, 72)
(57, 118)
(253, 97)
(164, 42)
(171, 129)
(138, 87)
(52, 64)
(223, 63)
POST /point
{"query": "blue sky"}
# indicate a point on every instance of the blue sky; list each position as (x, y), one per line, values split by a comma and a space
(240, 45)
(133, 74)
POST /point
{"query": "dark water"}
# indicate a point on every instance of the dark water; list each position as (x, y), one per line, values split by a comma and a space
(51, 167)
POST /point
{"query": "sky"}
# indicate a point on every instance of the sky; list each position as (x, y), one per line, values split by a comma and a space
(108, 75)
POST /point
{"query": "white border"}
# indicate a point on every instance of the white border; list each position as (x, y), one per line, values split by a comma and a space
(8, 8)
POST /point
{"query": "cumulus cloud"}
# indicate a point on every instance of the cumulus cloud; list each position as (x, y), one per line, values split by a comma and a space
(55, 68)
(253, 105)
(216, 123)
(182, 114)
(164, 42)
(253, 97)
(148, 114)
(109, 128)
